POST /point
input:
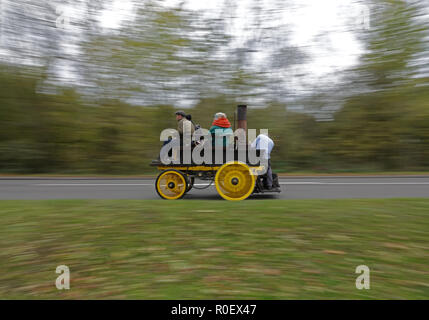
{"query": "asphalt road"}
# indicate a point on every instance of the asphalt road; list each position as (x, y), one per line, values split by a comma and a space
(292, 188)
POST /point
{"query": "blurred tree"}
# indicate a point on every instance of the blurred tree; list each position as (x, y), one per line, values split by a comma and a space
(368, 128)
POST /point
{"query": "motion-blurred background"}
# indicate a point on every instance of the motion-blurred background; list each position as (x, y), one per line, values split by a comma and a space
(87, 86)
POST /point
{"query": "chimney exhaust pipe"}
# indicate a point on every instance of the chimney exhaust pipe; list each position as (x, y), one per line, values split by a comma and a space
(242, 117)
(242, 124)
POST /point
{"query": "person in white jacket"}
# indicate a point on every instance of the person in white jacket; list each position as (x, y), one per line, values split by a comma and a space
(263, 142)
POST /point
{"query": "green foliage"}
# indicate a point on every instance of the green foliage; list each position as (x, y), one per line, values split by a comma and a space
(60, 133)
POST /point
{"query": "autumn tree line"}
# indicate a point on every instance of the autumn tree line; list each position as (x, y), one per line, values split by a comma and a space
(61, 133)
(127, 85)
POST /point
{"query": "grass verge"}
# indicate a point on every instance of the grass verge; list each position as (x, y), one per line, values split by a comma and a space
(260, 249)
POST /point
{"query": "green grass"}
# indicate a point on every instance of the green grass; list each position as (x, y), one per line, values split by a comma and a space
(255, 249)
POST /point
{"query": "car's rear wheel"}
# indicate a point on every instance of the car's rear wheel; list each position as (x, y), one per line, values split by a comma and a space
(235, 181)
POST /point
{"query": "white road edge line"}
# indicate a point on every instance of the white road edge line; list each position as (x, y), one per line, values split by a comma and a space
(200, 184)
(90, 184)
(360, 183)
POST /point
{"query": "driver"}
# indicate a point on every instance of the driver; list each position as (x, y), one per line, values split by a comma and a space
(263, 142)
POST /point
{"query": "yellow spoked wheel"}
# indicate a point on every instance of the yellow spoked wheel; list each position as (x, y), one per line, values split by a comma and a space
(234, 181)
(171, 185)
